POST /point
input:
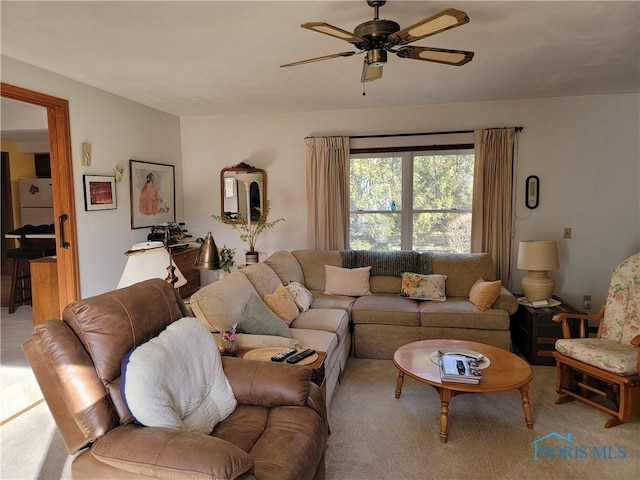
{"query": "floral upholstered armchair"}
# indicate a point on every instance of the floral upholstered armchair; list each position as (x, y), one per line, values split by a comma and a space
(607, 365)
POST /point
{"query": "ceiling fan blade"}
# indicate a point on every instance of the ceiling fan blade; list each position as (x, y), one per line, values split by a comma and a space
(317, 59)
(370, 72)
(327, 29)
(438, 55)
(449, 18)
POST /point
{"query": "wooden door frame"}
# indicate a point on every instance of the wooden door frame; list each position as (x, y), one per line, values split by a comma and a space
(7, 212)
(63, 192)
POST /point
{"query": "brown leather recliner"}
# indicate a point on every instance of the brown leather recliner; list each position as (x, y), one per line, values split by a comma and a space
(278, 430)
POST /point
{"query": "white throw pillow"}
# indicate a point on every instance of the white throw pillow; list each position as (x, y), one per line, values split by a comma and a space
(423, 287)
(176, 380)
(353, 282)
(302, 296)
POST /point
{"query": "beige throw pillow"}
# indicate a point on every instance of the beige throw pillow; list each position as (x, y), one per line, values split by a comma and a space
(282, 304)
(484, 294)
(353, 282)
(423, 287)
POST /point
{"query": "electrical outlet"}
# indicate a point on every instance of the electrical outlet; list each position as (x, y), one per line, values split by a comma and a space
(567, 232)
(586, 302)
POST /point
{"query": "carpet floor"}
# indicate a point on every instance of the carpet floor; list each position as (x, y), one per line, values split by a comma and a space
(376, 436)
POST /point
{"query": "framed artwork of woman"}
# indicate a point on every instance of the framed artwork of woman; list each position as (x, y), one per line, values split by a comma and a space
(152, 193)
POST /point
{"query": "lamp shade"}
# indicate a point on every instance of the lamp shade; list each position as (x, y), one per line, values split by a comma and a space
(148, 260)
(538, 255)
(208, 257)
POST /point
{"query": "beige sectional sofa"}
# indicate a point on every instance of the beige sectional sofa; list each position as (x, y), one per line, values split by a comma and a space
(370, 326)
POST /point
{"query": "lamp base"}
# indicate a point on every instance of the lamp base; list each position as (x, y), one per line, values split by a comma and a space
(537, 286)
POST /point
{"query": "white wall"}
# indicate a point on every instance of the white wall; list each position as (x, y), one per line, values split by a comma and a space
(118, 130)
(584, 149)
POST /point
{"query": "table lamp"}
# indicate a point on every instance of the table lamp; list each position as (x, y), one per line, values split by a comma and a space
(208, 257)
(538, 257)
(150, 260)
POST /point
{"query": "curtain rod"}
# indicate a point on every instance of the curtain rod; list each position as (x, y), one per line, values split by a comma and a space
(419, 134)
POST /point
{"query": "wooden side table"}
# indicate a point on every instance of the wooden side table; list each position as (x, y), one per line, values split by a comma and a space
(534, 334)
(316, 366)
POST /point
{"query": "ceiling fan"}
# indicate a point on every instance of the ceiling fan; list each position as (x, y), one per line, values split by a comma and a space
(377, 37)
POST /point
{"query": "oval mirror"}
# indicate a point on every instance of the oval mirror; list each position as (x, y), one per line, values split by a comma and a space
(243, 192)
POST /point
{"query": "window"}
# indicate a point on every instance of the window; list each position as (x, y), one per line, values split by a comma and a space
(412, 200)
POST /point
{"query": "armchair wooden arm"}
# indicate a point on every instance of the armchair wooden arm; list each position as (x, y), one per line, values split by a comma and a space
(584, 322)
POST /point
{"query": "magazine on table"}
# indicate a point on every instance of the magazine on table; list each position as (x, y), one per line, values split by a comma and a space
(459, 368)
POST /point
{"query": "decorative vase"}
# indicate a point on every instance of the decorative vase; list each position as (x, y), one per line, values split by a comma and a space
(251, 257)
(227, 347)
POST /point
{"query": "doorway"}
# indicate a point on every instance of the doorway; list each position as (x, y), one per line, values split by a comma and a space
(63, 191)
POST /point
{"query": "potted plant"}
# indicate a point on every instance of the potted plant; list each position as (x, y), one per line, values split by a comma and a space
(250, 231)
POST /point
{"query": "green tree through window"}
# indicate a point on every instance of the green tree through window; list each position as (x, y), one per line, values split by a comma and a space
(418, 200)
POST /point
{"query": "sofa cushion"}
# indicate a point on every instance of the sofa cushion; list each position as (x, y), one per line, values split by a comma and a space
(318, 340)
(462, 270)
(164, 453)
(423, 287)
(300, 294)
(258, 318)
(321, 300)
(347, 281)
(212, 306)
(262, 277)
(601, 353)
(459, 312)
(386, 309)
(313, 262)
(286, 266)
(484, 294)
(329, 320)
(385, 284)
(281, 303)
(175, 380)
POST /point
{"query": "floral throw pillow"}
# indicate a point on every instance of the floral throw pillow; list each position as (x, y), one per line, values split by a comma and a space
(300, 294)
(423, 287)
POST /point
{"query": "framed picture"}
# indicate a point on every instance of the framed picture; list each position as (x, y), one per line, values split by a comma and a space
(153, 193)
(99, 192)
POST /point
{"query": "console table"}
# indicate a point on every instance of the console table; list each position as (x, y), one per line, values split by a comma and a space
(534, 334)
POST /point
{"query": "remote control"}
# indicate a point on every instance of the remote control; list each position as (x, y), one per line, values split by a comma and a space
(301, 356)
(280, 356)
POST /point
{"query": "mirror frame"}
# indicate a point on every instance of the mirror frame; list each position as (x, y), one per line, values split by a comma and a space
(242, 168)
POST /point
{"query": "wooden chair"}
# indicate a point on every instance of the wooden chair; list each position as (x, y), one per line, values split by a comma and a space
(603, 371)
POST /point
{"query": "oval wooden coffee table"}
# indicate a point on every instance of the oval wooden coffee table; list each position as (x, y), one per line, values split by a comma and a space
(505, 372)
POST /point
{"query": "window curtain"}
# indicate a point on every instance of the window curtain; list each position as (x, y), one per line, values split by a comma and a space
(491, 225)
(327, 193)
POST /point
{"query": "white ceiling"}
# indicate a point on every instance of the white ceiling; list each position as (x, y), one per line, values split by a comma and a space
(218, 58)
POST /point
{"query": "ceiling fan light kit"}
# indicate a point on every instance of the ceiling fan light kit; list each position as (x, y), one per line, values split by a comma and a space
(377, 37)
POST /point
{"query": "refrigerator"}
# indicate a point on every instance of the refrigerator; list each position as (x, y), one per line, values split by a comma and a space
(36, 201)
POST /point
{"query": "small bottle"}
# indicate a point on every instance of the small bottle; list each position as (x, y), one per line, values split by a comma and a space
(393, 206)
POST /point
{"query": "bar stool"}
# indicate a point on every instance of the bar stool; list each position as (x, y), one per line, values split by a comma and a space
(21, 274)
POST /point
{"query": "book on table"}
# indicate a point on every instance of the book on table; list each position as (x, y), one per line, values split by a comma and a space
(459, 368)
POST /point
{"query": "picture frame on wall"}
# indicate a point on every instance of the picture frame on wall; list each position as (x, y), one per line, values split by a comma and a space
(153, 193)
(99, 192)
